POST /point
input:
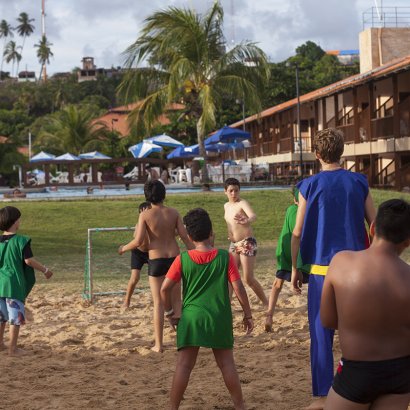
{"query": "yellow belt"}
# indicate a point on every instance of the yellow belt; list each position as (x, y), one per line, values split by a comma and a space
(318, 270)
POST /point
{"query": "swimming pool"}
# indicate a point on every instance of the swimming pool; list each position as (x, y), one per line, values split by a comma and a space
(121, 191)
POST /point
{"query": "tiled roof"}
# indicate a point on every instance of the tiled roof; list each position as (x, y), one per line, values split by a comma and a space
(396, 65)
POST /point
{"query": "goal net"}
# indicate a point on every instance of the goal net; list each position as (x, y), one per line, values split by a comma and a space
(106, 272)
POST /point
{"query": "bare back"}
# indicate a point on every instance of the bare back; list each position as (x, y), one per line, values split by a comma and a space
(372, 299)
(160, 224)
(236, 231)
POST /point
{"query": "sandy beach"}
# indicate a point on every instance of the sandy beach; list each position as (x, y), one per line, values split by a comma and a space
(98, 357)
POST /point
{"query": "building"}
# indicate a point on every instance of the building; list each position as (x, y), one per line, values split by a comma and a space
(371, 108)
(89, 72)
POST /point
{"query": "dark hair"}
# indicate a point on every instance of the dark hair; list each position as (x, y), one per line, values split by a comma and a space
(198, 224)
(8, 216)
(393, 221)
(143, 206)
(329, 144)
(154, 192)
(232, 181)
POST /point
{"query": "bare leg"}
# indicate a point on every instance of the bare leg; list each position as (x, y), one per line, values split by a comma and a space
(248, 263)
(14, 334)
(155, 285)
(177, 299)
(185, 363)
(2, 329)
(225, 361)
(391, 401)
(237, 261)
(134, 279)
(273, 299)
(336, 402)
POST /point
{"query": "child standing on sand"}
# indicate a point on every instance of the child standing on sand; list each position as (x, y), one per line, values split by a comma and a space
(16, 276)
(159, 224)
(366, 296)
(238, 216)
(284, 259)
(206, 318)
(139, 257)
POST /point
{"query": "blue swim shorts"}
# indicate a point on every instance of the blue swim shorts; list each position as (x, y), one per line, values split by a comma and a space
(12, 311)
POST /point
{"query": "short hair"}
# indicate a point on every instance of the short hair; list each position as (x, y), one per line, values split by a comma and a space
(143, 206)
(232, 181)
(198, 224)
(329, 144)
(295, 192)
(154, 192)
(8, 216)
(393, 221)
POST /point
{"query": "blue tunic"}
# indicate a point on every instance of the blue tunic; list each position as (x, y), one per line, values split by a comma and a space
(335, 214)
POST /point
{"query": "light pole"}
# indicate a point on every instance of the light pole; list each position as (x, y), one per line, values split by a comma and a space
(298, 120)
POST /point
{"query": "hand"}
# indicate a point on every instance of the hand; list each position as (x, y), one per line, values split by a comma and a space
(120, 250)
(173, 321)
(296, 281)
(48, 274)
(248, 324)
(241, 219)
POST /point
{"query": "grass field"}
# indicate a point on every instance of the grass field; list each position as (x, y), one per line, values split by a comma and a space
(59, 229)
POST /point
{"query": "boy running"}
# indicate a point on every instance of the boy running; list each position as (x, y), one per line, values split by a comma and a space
(366, 296)
(159, 225)
(16, 276)
(238, 216)
(206, 313)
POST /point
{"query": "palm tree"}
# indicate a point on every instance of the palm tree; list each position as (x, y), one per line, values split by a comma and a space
(189, 62)
(72, 130)
(5, 32)
(43, 54)
(11, 53)
(24, 29)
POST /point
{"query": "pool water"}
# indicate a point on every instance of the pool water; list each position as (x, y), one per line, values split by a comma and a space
(108, 192)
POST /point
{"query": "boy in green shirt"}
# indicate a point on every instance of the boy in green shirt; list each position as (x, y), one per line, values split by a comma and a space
(16, 276)
(284, 259)
(206, 318)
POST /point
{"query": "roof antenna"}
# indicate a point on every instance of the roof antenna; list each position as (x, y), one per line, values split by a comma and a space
(379, 10)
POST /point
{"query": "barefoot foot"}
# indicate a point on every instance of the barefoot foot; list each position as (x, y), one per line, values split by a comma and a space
(17, 352)
(317, 404)
(157, 349)
(268, 323)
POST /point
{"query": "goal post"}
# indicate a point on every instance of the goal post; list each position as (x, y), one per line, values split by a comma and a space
(102, 262)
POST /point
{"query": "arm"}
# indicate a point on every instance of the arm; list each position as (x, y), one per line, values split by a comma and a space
(250, 214)
(139, 235)
(165, 292)
(38, 266)
(242, 296)
(183, 234)
(296, 280)
(328, 310)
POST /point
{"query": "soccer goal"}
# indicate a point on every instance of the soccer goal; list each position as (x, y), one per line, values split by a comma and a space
(106, 272)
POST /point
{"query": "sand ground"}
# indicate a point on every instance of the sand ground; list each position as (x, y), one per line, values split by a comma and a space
(98, 357)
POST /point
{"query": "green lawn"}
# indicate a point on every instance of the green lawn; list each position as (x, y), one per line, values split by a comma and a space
(59, 229)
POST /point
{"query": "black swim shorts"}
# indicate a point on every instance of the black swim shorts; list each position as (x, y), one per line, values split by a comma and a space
(138, 259)
(159, 267)
(363, 382)
(287, 275)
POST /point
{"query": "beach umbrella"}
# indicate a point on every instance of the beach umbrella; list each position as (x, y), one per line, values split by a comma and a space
(94, 155)
(143, 149)
(66, 157)
(165, 141)
(227, 135)
(184, 152)
(42, 156)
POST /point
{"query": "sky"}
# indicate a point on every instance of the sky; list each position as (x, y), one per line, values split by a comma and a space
(103, 29)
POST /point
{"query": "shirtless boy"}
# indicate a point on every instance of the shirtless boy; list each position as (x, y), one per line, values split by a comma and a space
(366, 296)
(239, 216)
(159, 224)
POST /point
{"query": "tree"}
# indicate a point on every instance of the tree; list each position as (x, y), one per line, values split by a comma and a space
(24, 29)
(72, 129)
(9, 156)
(189, 62)
(43, 54)
(11, 53)
(5, 32)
